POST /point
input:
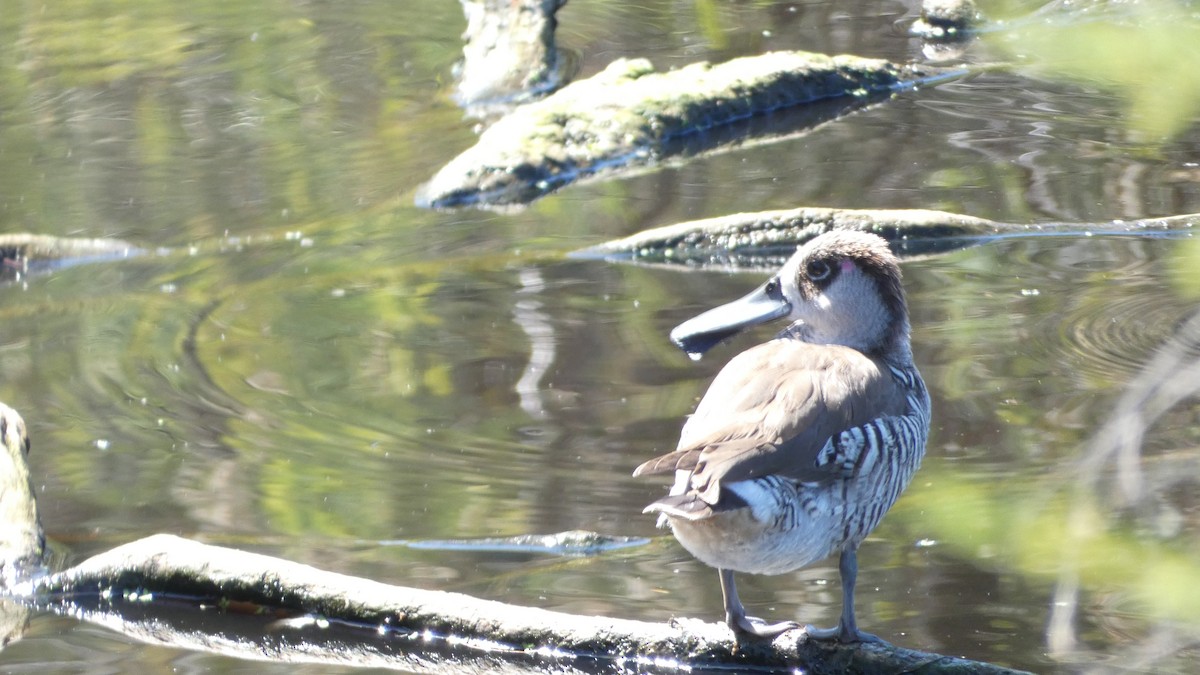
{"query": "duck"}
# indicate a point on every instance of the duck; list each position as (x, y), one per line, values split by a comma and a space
(801, 444)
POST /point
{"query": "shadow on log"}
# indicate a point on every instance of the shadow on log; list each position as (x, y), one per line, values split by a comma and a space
(765, 239)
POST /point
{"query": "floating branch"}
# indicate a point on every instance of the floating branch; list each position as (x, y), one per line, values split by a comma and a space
(630, 115)
(323, 616)
(766, 238)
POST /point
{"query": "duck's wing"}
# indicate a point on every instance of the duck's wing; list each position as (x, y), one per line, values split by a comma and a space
(772, 410)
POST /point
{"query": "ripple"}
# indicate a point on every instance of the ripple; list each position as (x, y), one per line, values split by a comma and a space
(1105, 333)
(1117, 342)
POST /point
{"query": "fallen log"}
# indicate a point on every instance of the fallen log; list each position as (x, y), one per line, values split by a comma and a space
(765, 239)
(629, 115)
(308, 614)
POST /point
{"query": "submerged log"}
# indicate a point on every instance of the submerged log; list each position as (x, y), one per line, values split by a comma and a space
(629, 115)
(323, 616)
(765, 239)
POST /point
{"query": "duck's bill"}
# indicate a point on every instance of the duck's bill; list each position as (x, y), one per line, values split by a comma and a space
(697, 335)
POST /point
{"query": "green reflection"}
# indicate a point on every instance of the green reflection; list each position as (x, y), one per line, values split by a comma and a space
(1145, 52)
(1045, 528)
(168, 122)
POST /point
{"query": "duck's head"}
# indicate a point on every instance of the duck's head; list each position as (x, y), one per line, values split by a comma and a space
(842, 287)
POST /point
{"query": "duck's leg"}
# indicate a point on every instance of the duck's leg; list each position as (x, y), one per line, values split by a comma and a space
(847, 628)
(735, 613)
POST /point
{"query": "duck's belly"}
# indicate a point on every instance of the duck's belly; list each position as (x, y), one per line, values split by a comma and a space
(786, 527)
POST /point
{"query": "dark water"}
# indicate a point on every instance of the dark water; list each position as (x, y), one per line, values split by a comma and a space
(313, 368)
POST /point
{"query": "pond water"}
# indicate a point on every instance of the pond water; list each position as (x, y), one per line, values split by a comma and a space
(306, 365)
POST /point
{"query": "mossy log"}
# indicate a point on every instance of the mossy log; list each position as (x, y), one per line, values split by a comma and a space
(629, 115)
(392, 625)
(765, 239)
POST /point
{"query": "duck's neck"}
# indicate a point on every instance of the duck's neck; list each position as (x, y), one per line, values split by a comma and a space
(895, 348)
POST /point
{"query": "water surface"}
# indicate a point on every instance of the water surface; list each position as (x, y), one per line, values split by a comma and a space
(311, 367)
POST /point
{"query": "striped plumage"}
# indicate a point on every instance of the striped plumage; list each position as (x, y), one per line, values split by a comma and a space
(801, 444)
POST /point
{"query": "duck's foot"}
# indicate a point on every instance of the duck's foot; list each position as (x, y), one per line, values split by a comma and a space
(735, 614)
(840, 633)
(752, 626)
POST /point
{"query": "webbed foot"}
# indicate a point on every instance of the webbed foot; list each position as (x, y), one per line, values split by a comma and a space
(841, 634)
(742, 625)
(752, 626)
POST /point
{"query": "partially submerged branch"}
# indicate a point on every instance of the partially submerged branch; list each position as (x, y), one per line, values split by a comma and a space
(766, 238)
(394, 624)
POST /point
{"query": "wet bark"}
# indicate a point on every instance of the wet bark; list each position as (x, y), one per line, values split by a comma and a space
(392, 622)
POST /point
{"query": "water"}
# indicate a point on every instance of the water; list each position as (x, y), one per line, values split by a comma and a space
(313, 368)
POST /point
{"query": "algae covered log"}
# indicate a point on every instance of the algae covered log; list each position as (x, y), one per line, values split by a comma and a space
(629, 115)
(767, 238)
(321, 616)
(764, 239)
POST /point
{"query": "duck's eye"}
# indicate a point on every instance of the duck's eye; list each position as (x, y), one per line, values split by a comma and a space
(817, 270)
